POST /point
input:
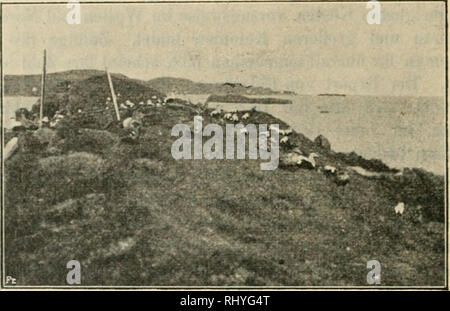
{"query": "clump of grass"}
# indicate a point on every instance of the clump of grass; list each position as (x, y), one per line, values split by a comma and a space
(77, 173)
(79, 139)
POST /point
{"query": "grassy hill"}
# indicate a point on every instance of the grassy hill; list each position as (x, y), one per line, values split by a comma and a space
(23, 85)
(29, 85)
(132, 215)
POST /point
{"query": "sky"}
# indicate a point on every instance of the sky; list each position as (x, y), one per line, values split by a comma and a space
(309, 48)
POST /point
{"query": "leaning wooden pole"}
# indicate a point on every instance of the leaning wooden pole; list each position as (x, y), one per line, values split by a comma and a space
(113, 94)
(41, 111)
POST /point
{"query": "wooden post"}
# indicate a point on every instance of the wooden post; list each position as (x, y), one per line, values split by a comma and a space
(41, 111)
(113, 95)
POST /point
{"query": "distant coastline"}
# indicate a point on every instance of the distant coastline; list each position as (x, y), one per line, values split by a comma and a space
(29, 85)
(239, 99)
(332, 94)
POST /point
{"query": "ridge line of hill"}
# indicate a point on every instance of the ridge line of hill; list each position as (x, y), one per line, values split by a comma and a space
(29, 85)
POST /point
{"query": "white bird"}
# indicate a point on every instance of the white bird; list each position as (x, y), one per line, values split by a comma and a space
(235, 118)
(284, 140)
(227, 116)
(54, 123)
(246, 116)
(342, 179)
(399, 173)
(329, 169)
(280, 132)
(399, 208)
(214, 113)
(127, 122)
(129, 104)
(307, 162)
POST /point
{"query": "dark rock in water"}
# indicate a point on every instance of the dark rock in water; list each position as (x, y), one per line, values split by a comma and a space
(322, 142)
(240, 99)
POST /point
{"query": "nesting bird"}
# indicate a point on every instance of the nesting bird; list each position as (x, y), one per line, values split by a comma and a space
(342, 178)
(307, 162)
(284, 140)
(399, 208)
(129, 103)
(130, 123)
(281, 132)
(288, 131)
(296, 159)
(215, 113)
(330, 170)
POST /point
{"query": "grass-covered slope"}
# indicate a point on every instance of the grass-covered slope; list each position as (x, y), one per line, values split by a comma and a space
(30, 85)
(89, 98)
(132, 215)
